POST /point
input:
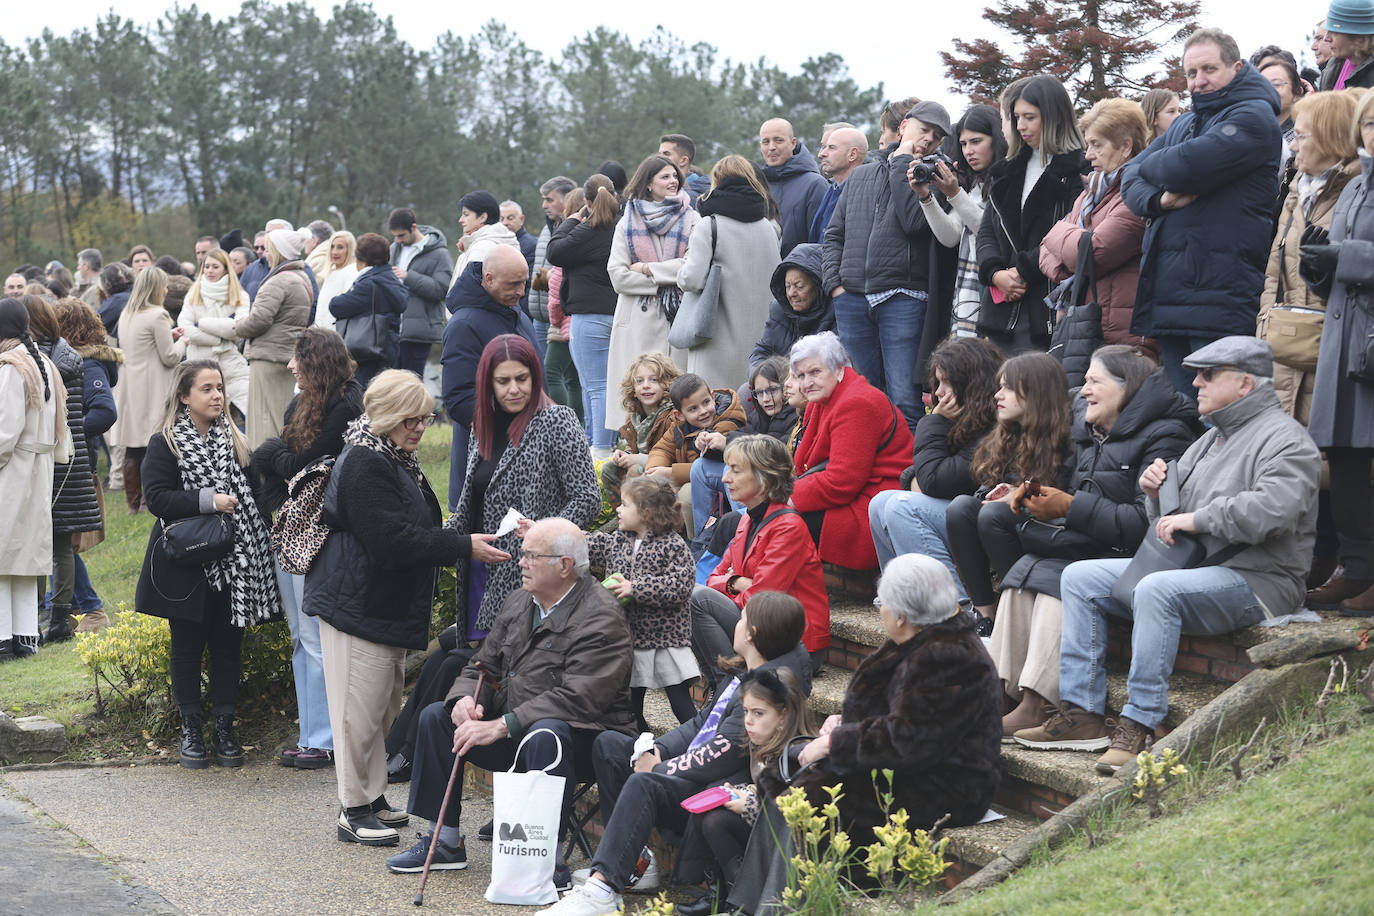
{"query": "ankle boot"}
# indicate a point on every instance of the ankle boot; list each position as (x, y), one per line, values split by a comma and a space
(227, 750)
(60, 627)
(192, 754)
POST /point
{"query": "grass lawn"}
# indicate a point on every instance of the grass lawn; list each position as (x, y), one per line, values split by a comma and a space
(55, 684)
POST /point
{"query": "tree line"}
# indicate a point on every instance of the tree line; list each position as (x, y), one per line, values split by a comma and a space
(119, 133)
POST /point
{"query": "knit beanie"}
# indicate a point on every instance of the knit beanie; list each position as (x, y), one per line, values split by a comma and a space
(1351, 17)
(289, 242)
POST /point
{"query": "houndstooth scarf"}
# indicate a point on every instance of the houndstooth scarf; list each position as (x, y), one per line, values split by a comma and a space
(248, 571)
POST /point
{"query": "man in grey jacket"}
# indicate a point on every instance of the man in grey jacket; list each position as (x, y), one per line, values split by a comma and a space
(1251, 482)
(420, 260)
(551, 195)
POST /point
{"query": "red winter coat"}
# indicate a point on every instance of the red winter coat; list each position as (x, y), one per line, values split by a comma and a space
(1117, 234)
(781, 559)
(847, 430)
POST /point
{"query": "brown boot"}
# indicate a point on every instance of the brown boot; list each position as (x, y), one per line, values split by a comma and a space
(1336, 589)
(133, 485)
(1128, 740)
(1362, 605)
(1322, 570)
(1033, 710)
(93, 621)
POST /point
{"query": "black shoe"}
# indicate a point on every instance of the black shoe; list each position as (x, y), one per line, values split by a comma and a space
(192, 754)
(398, 769)
(25, 646)
(60, 630)
(703, 906)
(562, 877)
(7, 650)
(484, 832)
(983, 627)
(387, 815)
(360, 825)
(227, 750)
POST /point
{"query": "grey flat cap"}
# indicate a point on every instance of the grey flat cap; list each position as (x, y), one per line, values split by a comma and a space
(1248, 354)
(932, 113)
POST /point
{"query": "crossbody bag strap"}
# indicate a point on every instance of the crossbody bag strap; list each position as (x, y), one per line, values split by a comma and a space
(754, 530)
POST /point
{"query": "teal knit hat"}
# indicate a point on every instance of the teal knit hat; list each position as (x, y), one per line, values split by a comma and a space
(1351, 17)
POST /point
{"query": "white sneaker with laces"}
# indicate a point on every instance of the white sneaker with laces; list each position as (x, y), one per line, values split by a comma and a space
(584, 901)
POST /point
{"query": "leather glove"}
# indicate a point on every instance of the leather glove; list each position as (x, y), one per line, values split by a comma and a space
(1318, 261)
(1315, 235)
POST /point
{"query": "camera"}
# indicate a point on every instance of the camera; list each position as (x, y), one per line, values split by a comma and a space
(923, 170)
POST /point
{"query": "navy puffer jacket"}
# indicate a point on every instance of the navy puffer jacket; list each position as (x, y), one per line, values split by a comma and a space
(786, 326)
(798, 187)
(1202, 266)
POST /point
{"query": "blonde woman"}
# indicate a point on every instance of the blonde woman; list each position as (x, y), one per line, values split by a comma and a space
(151, 353)
(216, 294)
(338, 275)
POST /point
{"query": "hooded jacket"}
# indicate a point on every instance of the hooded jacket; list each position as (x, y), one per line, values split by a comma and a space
(111, 309)
(785, 325)
(427, 281)
(797, 186)
(477, 320)
(1202, 265)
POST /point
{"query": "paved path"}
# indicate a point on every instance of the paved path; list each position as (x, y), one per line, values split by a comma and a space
(254, 840)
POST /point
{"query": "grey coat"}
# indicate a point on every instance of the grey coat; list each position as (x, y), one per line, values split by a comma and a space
(537, 305)
(1253, 479)
(427, 281)
(1342, 412)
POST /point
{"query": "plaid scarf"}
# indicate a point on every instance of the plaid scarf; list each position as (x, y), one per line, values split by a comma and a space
(968, 292)
(668, 220)
(247, 572)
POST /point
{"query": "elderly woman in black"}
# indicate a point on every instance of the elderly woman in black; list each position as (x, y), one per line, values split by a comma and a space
(372, 587)
(197, 464)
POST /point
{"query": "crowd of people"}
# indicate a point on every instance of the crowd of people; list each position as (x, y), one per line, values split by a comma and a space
(1039, 369)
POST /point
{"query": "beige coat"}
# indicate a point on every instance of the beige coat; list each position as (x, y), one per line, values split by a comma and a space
(280, 311)
(28, 436)
(150, 355)
(634, 330)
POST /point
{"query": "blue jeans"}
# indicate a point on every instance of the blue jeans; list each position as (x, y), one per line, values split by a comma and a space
(906, 522)
(590, 345)
(1197, 602)
(883, 343)
(84, 598)
(307, 664)
(1172, 352)
(541, 338)
(705, 476)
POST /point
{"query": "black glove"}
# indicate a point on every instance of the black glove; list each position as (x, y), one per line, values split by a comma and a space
(1315, 235)
(1318, 262)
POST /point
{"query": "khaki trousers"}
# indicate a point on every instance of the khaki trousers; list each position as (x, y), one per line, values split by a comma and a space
(1025, 642)
(270, 388)
(363, 682)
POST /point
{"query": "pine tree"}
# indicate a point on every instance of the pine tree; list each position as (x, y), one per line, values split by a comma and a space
(1098, 48)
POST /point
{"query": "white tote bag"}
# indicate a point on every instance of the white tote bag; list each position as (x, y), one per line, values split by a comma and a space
(524, 846)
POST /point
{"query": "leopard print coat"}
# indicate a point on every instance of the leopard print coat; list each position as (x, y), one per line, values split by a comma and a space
(663, 575)
(548, 474)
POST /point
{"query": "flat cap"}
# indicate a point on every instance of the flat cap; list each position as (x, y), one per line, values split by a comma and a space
(1247, 354)
(932, 113)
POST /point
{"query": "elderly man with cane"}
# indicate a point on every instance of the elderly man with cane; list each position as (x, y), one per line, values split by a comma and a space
(557, 658)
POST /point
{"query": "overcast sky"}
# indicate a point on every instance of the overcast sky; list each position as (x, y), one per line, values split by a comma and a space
(897, 44)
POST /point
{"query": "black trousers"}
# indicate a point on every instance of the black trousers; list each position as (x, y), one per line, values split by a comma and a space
(190, 639)
(727, 834)
(1352, 509)
(982, 536)
(434, 762)
(632, 805)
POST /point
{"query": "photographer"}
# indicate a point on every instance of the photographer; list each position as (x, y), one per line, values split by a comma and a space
(890, 278)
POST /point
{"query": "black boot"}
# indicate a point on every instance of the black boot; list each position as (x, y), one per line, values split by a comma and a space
(227, 750)
(7, 650)
(60, 628)
(192, 743)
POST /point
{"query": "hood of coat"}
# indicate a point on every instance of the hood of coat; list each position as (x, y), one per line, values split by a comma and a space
(1247, 86)
(1156, 400)
(496, 233)
(102, 352)
(433, 237)
(808, 258)
(801, 162)
(66, 359)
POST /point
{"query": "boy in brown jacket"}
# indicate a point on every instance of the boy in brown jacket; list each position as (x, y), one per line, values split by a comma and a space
(698, 408)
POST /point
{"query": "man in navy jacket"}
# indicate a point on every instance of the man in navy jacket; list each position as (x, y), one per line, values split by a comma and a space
(1207, 188)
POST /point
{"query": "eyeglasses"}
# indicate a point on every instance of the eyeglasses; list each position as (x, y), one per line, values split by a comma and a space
(1301, 137)
(525, 555)
(1211, 371)
(772, 391)
(414, 423)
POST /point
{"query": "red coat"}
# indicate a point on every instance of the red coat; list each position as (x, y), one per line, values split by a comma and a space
(781, 559)
(846, 430)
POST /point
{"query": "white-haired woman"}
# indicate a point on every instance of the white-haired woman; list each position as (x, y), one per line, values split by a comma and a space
(216, 294)
(372, 588)
(855, 446)
(197, 464)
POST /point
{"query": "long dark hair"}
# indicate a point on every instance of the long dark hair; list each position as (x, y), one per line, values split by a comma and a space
(500, 349)
(776, 622)
(325, 367)
(970, 365)
(14, 324)
(638, 188)
(982, 119)
(1034, 445)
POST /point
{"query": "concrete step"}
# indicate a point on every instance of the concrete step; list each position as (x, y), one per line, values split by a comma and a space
(974, 846)
(1039, 783)
(1188, 693)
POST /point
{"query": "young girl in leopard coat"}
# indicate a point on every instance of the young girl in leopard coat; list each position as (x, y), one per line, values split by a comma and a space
(649, 568)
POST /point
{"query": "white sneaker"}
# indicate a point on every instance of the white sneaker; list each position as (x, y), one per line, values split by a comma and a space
(584, 901)
(580, 876)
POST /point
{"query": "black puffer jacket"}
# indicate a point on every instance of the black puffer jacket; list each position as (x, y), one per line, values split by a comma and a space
(74, 505)
(786, 326)
(940, 471)
(375, 576)
(1108, 508)
(1010, 236)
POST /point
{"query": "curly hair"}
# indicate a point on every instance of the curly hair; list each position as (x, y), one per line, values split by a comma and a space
(664, 368)
(1035, 444)
(79, 323)
(324, 368)
(970, 366)
(656, 500)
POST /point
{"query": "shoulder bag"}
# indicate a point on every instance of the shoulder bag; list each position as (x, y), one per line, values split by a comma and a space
(199, 539)
(695, 323)
(366, 336)
(1078, 334)
(299, 530)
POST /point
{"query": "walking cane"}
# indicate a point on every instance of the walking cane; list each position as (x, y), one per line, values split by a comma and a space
(443, 807)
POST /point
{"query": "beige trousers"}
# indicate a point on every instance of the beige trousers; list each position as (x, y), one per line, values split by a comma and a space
(1025, 642)
(363, 681)
(270, 388)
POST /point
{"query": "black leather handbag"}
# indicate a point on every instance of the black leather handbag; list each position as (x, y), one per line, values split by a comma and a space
(200, 539)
